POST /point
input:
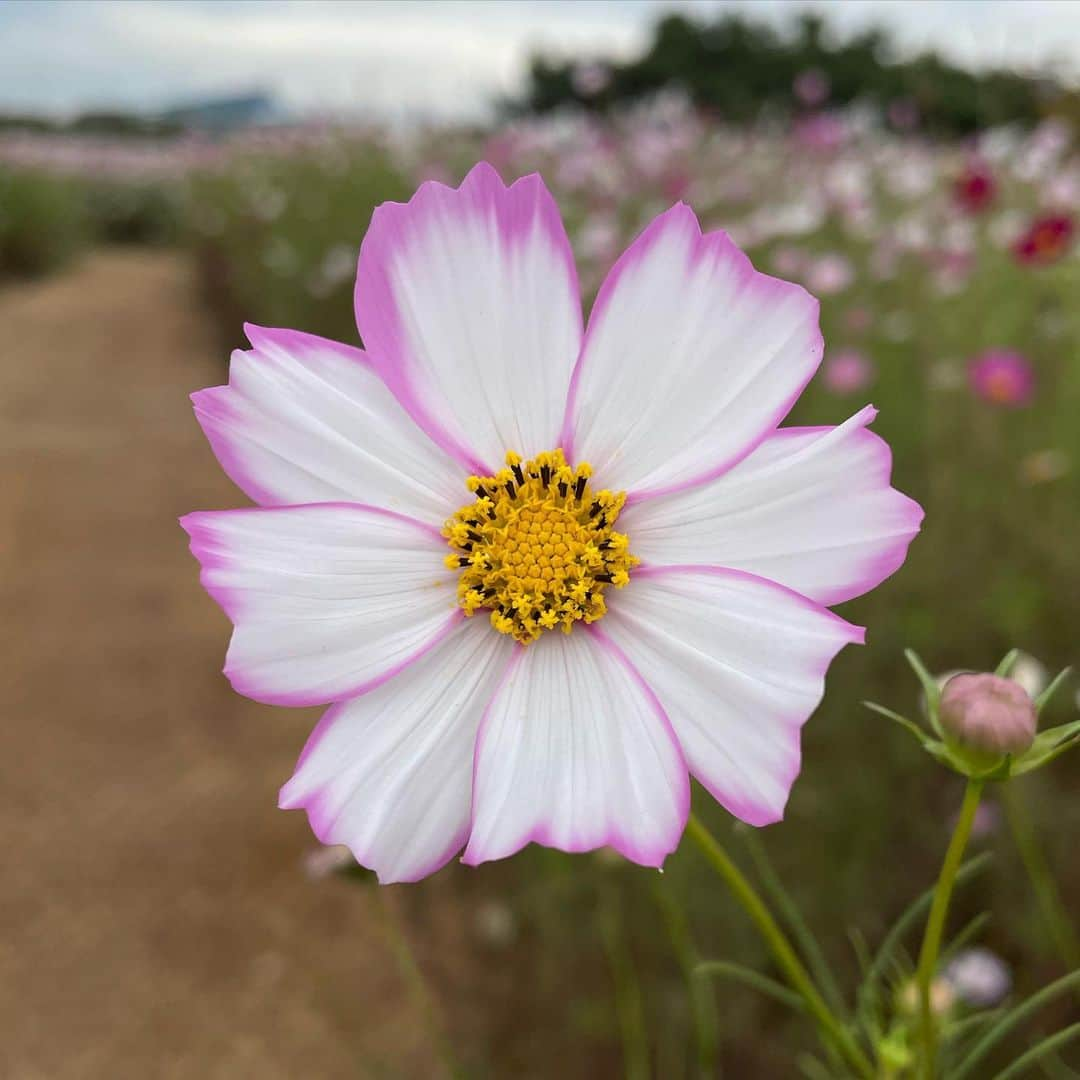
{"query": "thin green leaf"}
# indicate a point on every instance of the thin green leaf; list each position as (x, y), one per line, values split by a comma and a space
(903, 721)
(965, 936)
(1042, 700)
(702, 998)
(774, 887)
(1039, 1050)
(749, 977)
(1007, 663)
(1048, 745)
(964, 1027)
(929, 685)
(914, 911)
(628, 1002)
(1012, 1018)
(811, 1068)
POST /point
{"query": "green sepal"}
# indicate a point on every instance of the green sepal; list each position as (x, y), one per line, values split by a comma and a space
(1008, 662)
(1043, 699)
(1047, 746)
(908, 725)
(930, 688)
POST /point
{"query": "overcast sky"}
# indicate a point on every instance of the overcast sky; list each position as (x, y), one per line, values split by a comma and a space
(446, 58)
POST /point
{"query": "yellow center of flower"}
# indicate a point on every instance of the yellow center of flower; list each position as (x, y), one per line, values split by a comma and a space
(536, 547)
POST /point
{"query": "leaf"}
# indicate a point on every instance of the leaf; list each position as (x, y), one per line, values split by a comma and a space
(1047, 745)
(1042, 700)
(1039, 1050)
(1010, 1020)
(1007, 663)
(748, 976)
(903, 721)
(970, 931)
(774, 887)
(929, 685)
(811, 1068)
(907, 919)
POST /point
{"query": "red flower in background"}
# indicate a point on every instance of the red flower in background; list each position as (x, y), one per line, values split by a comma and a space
(975, 187)
(1046, 240)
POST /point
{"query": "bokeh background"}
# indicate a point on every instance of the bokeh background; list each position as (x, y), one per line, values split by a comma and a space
(168, 171)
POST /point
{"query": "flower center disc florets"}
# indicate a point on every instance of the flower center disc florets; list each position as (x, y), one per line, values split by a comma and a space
(537, 547)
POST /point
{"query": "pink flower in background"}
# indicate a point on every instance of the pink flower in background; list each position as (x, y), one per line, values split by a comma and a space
(847, 371)
(903, 114)
(1002, 377)
(811, 87)
(858, 319)
(397, 569)
(590, 79)
(821, 131)
(1046, 240)
(788, 260)
(829, 274)
(975, 187)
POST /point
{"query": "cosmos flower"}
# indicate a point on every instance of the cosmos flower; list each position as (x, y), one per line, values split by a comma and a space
(811, 87)
(1045, 240)
(1002, 377)
(975, 188)
(979, 977)
(543, 573)
(847, 371)
(830, 273)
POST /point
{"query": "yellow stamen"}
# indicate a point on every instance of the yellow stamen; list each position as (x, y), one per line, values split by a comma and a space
(536, 548)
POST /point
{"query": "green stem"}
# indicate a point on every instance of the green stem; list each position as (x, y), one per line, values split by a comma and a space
(417, 984)
(702, 999)
(1041, 877)
(781, 948)
(935, 924)
(628, 1004)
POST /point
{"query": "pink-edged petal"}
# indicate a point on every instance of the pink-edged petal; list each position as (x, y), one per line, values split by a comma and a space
(389, 774)
(575, 752)
(738, 663)
(691, 358)
(327, 600)
(304, 419)
(811, 508)
(468, 299)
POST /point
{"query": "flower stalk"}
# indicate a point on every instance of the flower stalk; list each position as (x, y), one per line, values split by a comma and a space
(783, 951)
(935, 924)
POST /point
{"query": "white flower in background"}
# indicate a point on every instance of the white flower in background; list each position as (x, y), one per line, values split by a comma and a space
(978, 977)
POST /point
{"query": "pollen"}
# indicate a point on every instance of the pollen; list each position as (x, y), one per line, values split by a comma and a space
(537, 548)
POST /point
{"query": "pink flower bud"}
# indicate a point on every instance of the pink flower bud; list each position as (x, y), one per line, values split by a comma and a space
(987, 716)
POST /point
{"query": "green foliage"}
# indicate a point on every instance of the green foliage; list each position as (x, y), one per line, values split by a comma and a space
(43, 222)
(740, 68)
(278, 235)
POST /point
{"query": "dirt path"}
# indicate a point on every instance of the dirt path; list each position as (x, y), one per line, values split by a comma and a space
(155, 918)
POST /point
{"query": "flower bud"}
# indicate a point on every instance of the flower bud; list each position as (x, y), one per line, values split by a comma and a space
(986, 717)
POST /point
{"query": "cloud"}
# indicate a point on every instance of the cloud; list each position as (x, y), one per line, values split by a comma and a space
(449, 58)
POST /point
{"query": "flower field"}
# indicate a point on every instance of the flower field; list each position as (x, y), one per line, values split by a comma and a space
(948, 275)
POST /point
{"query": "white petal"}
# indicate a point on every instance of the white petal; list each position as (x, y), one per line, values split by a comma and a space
(389, 774)
(304, 420)
(691, 358)
(738, 664)
(468, 300)
(575, 753)
(326, 600)
(810, 508)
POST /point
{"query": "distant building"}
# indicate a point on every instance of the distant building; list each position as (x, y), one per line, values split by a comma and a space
(223, 114)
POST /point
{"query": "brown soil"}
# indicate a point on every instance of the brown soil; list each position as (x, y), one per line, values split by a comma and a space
(156, 919)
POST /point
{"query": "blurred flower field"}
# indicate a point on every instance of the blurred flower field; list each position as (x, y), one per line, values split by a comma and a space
(948, 277)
